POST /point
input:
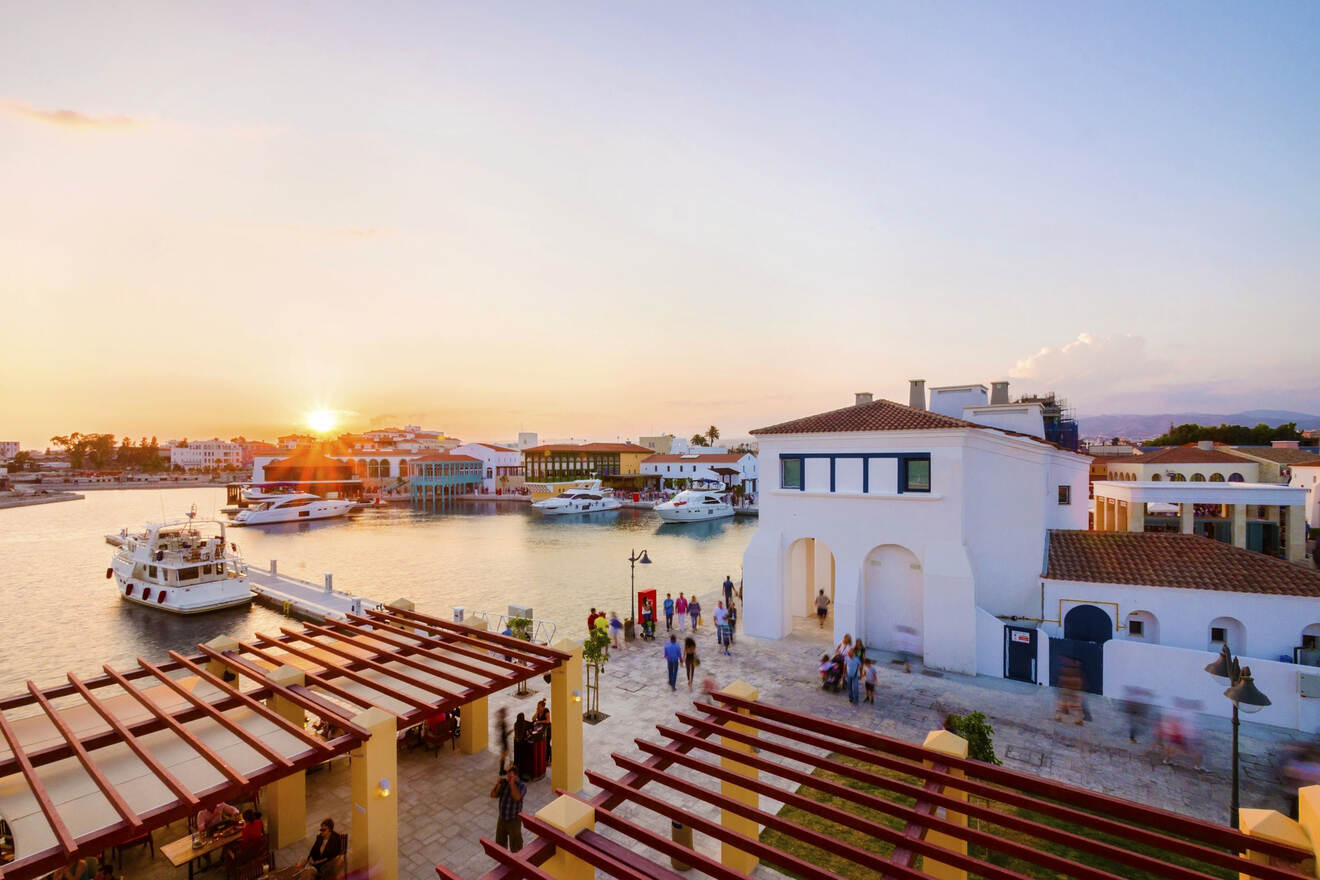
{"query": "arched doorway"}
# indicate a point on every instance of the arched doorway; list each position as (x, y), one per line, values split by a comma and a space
(1088, 623)
(809, 568)
(893, 596)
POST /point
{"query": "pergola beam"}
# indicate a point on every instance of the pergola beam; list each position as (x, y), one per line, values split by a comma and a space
(34, 783)
(350, 674)
(405, 678)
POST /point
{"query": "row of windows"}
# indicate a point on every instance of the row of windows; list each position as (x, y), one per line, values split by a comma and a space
(913, 470)
(1182, 478)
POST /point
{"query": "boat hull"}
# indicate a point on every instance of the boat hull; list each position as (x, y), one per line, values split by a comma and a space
(198, 599)
(318, 511)
(672, 515)
(564, 509)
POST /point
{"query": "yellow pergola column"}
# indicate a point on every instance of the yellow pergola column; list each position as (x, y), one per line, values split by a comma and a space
(1273, 826)
(731, 856)
(221, 644)
(1239, 525)
(566, 720)
(474, 732)
(945, 743)
(1308, 816)
(1296, 533)
(1186, 517)
(286, 799)
(373, 840)
(571, 816)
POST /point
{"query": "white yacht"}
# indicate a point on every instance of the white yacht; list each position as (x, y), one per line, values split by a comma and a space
(586, 498)
(184, 566)
(694, 505)
(255, 493)
(294, 507)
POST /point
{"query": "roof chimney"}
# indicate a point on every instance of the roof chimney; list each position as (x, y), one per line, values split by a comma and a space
(1205, 444)
(1285, 444)
(998, 393)
(863, 398)
(917, 393)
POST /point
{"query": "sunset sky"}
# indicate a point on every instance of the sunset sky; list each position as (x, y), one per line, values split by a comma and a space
(610, 219)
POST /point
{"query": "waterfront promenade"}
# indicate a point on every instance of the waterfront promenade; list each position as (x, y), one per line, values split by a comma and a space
(444, 808)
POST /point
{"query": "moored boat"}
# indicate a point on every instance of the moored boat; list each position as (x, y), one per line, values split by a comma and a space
(182, 566)
(694, 505)
(294, 507)
(586, 498)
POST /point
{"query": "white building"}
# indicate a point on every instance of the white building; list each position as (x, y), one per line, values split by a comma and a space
(1307, 476)
(8, 449)
(501, 466)
(206, 455)
(731, 468)
(1151, 610)
(528, 440)
(909, 517)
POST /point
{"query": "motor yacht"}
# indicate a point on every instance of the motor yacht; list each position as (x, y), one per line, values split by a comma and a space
(586, 498)
(255, 493)
(184, 566)
(694, 505)
(294, 507)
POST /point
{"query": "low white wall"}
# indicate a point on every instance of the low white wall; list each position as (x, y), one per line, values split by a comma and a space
(1180, 672)
(989, 644)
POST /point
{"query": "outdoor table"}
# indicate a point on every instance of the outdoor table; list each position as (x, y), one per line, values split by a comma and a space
(182, 851)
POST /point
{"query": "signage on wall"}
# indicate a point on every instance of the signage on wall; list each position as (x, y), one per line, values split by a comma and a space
(1023, 637)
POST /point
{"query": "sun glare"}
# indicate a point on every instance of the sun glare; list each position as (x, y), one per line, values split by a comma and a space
(322, 421)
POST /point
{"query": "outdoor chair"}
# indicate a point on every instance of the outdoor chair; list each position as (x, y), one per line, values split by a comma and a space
(248, 860)
(143, 839)
(438, 732)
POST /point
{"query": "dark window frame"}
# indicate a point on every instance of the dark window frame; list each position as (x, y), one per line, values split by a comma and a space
(784, 461)
(1065, 495)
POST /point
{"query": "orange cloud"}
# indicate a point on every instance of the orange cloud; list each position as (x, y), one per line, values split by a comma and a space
(68, 118)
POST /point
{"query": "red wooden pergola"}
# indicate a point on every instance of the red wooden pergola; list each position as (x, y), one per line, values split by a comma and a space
(1050, 827)
(94, 763)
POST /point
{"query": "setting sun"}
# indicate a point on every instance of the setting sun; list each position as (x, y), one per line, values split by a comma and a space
(322, 421)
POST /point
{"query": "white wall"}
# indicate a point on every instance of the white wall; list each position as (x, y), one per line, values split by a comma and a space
(1308, 478)
(950, 400)
(491, 460)
(1181, 673)
(1272, 624)
(990, 644)
(1026, 418)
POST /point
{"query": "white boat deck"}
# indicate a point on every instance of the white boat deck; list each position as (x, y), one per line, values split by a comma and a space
(294, 596)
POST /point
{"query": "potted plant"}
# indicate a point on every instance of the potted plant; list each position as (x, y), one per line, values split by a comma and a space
(595, 654)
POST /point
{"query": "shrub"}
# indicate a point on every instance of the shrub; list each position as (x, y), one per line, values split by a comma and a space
(976, 730)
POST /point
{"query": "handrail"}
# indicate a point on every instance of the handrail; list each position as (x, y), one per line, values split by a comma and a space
(543, 631)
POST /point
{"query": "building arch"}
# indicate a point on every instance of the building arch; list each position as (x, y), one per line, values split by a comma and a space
(809, 568)
(1227, 629)
(1155, 477)
(893, 596)
(1198, 478)
(1087, 623)
(1147, 623)
(1216, 478)
(1178, 478)
(1311, 636)
(403, 468)
(361, 468)
(384, 467)
(1235, 477)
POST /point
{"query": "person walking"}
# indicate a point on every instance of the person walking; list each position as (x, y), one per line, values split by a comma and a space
(852, 666)
(509, 790)
(673, 653)
(822, 607)
(669, 612)
(728, 591)
(868, 675)
(616, 627)
(680, 608)
(690, 660)
(694, 612)
(591, 620)
(722, 627)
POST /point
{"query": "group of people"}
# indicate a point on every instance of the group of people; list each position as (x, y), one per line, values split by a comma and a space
(849, 667)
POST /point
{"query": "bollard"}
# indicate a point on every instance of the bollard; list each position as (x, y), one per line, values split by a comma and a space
(274, 566)
(458, 613)
(329, 582)
(682, 835)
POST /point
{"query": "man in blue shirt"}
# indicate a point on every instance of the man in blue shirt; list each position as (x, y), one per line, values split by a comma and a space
(669, 611)
(728, 591)
(673, 653)
(852, 667)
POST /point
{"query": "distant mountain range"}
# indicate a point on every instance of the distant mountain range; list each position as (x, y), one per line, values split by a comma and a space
(1144, 427)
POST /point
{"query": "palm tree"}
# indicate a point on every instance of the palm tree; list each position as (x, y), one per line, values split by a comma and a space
(698, 440)
(712, 434)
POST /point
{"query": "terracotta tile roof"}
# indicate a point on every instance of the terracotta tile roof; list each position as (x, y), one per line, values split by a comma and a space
(1189, 455)
(1280, 456)
(696, 458)
(590, 447)
(496, 447)
(1315, 463)
(1166, 559)
(881, 415)
(443, 456)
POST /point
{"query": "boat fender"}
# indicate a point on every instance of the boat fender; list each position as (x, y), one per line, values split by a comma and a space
(128, 590)
(160, 600)
(146, 594)
(109, 573)
(160, 554)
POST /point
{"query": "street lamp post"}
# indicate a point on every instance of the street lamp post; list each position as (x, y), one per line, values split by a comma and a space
(633, 559)
(1244, 694)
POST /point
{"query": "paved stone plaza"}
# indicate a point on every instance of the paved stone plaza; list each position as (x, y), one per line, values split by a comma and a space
(444, 807)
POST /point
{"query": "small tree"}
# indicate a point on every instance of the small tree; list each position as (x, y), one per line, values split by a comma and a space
(976, 730)
(595, 654)
(712, 434)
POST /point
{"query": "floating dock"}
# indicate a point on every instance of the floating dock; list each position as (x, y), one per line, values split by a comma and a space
(293, 596)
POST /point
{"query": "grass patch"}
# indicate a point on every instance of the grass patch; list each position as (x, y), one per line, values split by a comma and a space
(838, 864)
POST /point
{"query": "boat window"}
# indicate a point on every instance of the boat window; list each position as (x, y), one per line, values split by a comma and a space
(188, 574)
(151, 571)
(299, 502)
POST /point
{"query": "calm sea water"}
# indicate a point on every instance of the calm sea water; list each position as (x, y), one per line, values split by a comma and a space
(60, 613)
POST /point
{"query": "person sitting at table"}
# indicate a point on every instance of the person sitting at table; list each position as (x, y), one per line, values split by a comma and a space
(214, 819)
(253, 827)
(78, 869)
(320, 861)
